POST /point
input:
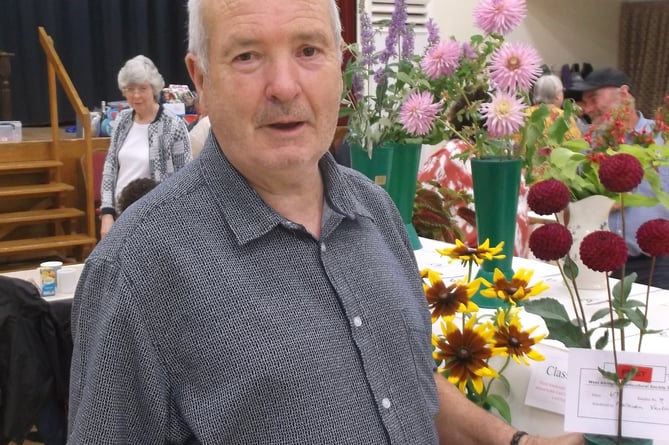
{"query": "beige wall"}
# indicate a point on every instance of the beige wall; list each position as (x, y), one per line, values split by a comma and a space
(563, 31)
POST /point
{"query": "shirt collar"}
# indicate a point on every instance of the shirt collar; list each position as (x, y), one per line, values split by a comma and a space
(247, 215)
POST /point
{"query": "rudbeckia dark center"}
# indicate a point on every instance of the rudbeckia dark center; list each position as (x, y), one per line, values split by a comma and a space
(463, 354)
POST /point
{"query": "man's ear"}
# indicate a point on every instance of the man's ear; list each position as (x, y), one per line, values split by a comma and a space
(625, 91)
(197, 76)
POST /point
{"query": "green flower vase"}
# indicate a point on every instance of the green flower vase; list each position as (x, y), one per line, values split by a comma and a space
(496, 184)
(598, 439)
(394, 167)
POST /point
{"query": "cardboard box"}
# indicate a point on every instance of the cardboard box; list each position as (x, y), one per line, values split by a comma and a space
(11, 131)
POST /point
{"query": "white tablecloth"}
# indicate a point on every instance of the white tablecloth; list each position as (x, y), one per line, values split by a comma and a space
(33, 276)
(534, 420)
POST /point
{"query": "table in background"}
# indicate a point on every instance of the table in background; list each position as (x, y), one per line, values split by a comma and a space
(61, 303)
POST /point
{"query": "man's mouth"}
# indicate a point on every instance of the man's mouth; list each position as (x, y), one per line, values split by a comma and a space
(285, 125)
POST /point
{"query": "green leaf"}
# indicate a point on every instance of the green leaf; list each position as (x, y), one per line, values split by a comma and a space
(501, 405)
(616, 292)
(600, 313)
(636, 317)
(612, 376)
(570, 268)
(620, 323)
(630, 375)
(559, 325)
(602, 341)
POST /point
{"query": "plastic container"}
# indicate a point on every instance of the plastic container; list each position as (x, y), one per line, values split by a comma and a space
(11, 131)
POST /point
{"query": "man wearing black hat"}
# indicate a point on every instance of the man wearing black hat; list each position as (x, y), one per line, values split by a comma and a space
(604, 90)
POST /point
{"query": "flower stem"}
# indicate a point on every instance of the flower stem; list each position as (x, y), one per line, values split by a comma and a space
(645, 309)
(573, 289)
(622, 275)
(618, 381)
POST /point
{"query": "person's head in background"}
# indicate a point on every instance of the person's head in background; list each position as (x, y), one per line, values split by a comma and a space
(141, 83)
(133, 191)
(548, 89)
(268, 76)
(603, 90)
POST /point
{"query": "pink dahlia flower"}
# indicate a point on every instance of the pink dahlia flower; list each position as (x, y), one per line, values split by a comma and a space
(504, 114)
(418, 113)
(515, 66)
(442, 59)
(499, 16)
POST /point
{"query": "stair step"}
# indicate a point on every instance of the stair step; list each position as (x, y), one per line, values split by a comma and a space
(23, 166)
(34, 189)
(34, 216)
(45, 243)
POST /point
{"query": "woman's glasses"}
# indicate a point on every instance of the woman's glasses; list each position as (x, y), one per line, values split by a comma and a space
(136, 89)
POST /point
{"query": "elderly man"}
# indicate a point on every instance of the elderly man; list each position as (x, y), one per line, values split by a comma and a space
(603, 91)
(265, 294)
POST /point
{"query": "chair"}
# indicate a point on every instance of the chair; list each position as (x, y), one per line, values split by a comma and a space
(35, 354)
(99, 157)
(98, 160)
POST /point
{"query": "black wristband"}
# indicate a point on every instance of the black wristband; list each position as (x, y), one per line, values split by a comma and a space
(515, 440)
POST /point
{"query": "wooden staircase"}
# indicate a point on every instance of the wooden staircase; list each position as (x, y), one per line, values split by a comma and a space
(46, 200)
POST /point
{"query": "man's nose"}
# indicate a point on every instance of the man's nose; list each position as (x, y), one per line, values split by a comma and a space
(283, 79)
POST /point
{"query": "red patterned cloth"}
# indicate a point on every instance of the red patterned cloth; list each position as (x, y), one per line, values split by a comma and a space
(456, 175)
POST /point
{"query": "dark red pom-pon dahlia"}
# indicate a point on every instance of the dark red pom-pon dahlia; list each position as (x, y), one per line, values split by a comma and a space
(620, 173)
(550, 242)
(548, 197)
(603, 251)
(653, 237)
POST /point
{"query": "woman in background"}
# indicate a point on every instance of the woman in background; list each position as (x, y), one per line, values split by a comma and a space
(548, 89)
(147, 142)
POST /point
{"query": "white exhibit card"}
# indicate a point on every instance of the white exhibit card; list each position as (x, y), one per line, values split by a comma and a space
(592, 400)
(547, 387)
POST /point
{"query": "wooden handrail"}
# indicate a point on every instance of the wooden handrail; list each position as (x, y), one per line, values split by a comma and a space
(56, 70)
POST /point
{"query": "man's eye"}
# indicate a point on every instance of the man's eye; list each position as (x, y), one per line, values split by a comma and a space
(244, 57)
(309, 51)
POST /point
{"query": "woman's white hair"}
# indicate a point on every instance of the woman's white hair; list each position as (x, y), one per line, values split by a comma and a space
(198, 33)
(140, 69)
(546, 89)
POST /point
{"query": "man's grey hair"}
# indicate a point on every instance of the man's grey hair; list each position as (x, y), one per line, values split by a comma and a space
(140, 69)
(198, 33)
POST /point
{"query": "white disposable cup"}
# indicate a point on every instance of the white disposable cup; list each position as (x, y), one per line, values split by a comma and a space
(67, 281)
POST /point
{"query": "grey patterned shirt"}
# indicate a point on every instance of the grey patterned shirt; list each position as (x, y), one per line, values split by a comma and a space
(206, 317)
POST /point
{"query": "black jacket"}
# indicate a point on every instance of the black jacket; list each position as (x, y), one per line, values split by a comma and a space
(35, 354)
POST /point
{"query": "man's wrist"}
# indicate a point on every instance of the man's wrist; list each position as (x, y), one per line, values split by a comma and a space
(517, 437)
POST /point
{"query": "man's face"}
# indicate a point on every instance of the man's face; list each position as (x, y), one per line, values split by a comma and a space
(273, 85)
(598, 102)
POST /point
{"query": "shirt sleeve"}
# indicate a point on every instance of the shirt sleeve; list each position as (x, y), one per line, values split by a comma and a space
(118, 387)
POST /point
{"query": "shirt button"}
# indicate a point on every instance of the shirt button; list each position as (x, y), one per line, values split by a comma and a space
(357, 322)
(386, 403)
(323, 248)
